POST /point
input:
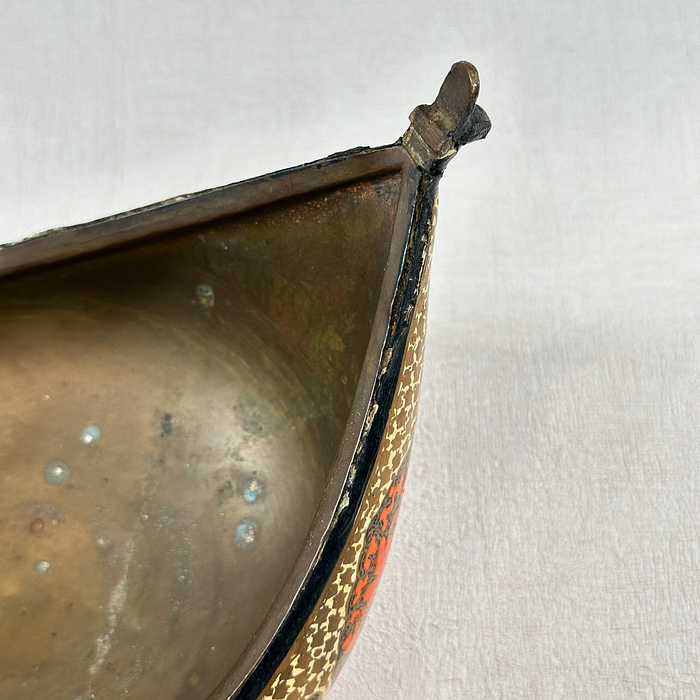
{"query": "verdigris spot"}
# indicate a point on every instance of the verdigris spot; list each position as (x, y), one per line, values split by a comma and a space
(56, 472)
(252, 491)
(90, 434)
(205, 295)
(166, 425)
(246, 530)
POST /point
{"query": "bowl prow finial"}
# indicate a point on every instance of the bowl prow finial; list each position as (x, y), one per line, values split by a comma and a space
(438, 130)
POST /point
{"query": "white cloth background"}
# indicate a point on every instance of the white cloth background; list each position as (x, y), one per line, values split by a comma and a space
(549, 544)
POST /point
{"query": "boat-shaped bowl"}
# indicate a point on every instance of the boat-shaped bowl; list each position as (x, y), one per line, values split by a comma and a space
(206, 417)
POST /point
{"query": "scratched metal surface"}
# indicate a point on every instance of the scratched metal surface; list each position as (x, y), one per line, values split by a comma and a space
(549, 544)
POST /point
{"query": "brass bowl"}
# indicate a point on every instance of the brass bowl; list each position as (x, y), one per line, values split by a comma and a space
(207, 409)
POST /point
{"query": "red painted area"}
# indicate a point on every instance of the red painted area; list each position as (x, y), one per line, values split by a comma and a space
(373, 560)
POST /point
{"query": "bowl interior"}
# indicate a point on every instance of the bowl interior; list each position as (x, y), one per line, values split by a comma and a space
(169, 415)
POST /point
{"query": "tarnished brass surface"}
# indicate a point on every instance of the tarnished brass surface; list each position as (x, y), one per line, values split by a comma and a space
(219, 364)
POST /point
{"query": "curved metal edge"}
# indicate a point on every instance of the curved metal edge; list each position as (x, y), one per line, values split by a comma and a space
(403, 305)
(347, 479)
(434, 136)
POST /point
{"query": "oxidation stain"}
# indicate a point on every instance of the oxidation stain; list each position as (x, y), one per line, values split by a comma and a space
(205, 295)
(225, 492)
(36, 526)
(252, 491)
(56, 472)
(42, 566)
(246, 530)
(166, 425)
(90, 434)
(255, 421)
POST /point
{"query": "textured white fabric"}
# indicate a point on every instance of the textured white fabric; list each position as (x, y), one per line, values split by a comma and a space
(549, 544)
